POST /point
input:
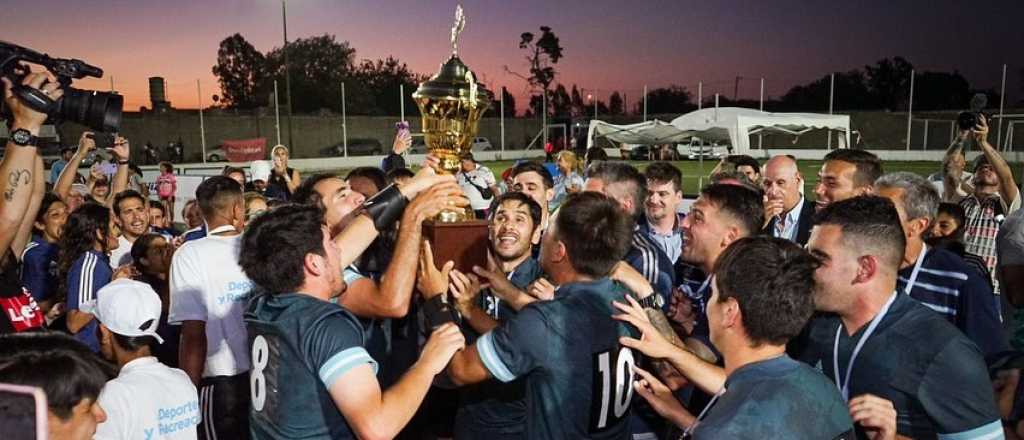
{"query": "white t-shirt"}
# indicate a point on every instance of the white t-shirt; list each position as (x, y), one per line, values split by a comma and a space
(1010, 239)
(481, 177)
(207, 284)
(149, 400)
(123, 254)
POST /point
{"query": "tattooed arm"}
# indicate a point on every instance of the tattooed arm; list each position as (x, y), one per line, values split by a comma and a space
(25, 229)
(16, 169)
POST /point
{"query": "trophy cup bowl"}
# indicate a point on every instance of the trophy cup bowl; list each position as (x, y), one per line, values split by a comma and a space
(451, 104)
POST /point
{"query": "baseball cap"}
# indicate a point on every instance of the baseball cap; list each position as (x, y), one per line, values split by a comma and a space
(980, 161)
(128, 308)
(260, 170)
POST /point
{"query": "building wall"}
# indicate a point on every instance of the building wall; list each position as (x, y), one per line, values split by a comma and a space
(311, 133)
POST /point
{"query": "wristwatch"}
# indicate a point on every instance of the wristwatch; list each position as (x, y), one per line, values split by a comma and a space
(24, 138)
(652, 301)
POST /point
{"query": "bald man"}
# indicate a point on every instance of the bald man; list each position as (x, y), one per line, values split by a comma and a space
(787, 213)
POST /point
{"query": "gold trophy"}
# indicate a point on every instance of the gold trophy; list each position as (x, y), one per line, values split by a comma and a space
(451, 104)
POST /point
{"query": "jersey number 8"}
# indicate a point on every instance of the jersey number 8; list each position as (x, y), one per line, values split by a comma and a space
(611, 403)
(257, 381)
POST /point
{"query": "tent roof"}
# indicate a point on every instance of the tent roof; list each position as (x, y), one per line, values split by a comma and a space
(724, 124)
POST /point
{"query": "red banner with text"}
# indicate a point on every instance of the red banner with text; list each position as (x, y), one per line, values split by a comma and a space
(245, 150)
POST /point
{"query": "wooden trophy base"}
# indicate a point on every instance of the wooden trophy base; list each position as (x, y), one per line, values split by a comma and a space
(464, 242)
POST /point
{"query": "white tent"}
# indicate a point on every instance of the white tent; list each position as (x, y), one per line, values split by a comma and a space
(731, 125)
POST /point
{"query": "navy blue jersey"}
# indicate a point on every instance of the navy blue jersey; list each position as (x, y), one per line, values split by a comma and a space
(935, 377)
(39, 268)
(579, 380)
(300, 347)
(195, 233)
(90, 272)
(493, 409)
(777, 398)
(946, 284)
(647, 258)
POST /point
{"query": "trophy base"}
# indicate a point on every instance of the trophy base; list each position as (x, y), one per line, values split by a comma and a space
(464, 242)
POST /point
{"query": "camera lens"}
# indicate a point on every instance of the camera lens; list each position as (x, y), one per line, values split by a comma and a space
(97, 110)
(966, 120)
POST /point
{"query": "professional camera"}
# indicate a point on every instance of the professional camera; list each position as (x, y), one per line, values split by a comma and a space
(100, 111)
(967, 120)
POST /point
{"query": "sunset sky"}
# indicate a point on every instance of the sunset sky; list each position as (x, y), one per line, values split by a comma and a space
(608, 45)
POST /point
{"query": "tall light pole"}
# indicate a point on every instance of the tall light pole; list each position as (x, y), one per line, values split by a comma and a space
(287, 75)
(591, 98)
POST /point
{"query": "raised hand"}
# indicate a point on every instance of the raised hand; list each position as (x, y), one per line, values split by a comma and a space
(442, 345)
(431, 280)
(651, 342)
(542, 289)
(465, 288)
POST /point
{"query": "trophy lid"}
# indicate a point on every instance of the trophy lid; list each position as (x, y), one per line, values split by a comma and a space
(454, 81)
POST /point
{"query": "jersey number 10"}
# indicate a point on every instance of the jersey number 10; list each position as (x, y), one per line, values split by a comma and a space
(611, 403)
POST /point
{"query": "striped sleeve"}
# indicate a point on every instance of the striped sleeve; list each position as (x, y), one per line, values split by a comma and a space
(510, 350)
(342, 362)
(334, 346)
(990, 431)
(84, 279)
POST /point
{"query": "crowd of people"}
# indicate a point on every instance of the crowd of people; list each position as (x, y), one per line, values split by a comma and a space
(311, 306)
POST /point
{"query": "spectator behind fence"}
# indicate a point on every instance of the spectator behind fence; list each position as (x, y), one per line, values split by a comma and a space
(477, 181)
(995, 195)
(568, 181)
(283, 180)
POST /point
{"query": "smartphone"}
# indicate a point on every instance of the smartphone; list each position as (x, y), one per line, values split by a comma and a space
(402, 126)
(108, 168)
(103, 140)
(23, 412)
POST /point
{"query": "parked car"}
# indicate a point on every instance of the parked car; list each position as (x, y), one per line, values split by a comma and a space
(479, 144)
(482, 144)
(695, 151)
(640, 152)
(356, 147)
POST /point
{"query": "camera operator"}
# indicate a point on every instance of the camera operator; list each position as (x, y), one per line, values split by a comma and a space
(993, 193)
(22, 191)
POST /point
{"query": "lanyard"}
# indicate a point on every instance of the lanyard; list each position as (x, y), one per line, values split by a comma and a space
(220, 229)
(844, 386)
(917, 268)
(688, 432)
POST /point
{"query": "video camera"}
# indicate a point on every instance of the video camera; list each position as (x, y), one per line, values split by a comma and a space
(968, 120)
(100, 111)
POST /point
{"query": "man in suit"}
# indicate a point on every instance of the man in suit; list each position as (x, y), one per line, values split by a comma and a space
(787, 213)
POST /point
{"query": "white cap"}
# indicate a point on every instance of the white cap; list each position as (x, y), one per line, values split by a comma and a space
(260, 170)
(128, 308)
